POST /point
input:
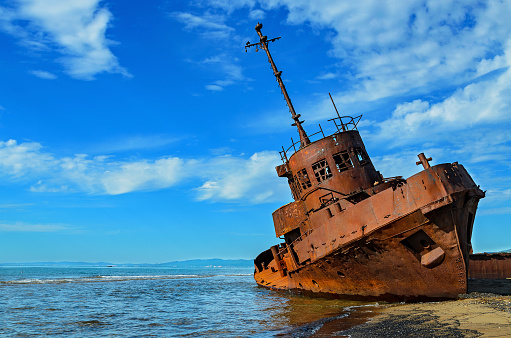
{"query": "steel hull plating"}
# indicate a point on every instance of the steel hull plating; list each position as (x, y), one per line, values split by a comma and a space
(421, 252)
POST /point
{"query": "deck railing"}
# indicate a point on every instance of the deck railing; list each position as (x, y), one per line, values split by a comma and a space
(342, 124)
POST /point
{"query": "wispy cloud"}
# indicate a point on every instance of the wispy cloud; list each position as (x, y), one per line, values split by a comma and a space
(477, 104)
(418, 43)
(383, 52)
(214, 87)
(218, 178)
(135, 142)
(15, 205)
(230, 178)
(30, 227)
(210, 26)
(256, 14)
(76, 29)
(226, 66)
(327, 76)
(19, 159)
(496, 211)
(43, 74)
(143, 175)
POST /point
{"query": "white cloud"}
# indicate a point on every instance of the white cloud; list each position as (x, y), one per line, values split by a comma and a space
(144, 175)
(256, 14)
(19, 159)
(15, 205)
(393, 50)
(220, 178)
(210, 26)
(43, 74)
(254, 180)
(400, 164)
(136, 142)
(230, 5)
(495, 211)
(388, 50)
(225, 65)
(215, 88)
(475, 105)
(327, 76)
(77, 29)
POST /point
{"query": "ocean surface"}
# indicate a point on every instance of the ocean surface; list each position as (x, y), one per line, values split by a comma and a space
(155, 301)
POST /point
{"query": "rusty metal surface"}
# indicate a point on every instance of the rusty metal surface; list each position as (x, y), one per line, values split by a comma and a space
(352, 232)
(289, 217)
(490, 266)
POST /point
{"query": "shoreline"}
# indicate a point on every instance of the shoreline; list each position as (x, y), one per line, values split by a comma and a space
(484, 310)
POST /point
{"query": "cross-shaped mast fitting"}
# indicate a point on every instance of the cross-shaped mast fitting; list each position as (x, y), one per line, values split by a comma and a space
(263, 44)
(424, 161)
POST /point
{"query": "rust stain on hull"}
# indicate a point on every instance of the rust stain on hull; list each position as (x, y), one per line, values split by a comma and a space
(351, 232)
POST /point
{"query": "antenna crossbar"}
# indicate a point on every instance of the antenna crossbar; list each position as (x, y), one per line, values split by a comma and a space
(263, 44)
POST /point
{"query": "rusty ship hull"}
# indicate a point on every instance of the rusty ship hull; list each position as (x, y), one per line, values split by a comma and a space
(408, 242)
(352, 232)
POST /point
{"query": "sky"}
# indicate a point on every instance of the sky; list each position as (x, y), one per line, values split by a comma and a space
(141, 132)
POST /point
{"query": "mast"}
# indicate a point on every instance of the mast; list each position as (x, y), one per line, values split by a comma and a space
(263, 43)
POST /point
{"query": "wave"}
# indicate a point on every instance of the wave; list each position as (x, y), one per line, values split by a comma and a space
(94, 279)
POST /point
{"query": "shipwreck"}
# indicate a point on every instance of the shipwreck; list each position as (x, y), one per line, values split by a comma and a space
(354, 233)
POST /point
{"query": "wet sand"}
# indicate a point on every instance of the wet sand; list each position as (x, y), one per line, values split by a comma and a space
(484, 311)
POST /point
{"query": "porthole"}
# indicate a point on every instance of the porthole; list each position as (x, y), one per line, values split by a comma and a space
(315, 283)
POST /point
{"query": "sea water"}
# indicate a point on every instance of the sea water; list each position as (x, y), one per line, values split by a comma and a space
(154, 301)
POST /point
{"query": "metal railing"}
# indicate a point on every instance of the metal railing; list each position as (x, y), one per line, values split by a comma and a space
(351, 123)
(284, 152)
(342, 124)
(299, 239)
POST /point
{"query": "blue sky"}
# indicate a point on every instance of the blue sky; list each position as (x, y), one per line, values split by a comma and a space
(143, 132)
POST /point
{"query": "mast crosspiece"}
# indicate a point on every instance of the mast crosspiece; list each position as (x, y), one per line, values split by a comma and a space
(263, 44)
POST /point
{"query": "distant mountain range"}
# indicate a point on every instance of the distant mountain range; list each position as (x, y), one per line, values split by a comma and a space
(214, 262)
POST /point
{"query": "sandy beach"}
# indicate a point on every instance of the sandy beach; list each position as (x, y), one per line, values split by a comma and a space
(485, 311)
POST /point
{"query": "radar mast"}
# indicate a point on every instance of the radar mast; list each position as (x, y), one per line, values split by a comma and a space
(263, 44)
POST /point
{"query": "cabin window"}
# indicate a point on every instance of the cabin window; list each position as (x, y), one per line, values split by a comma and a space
(295, 187)
(342, 161)
(321, 170)
(303, 178)
(361, 156)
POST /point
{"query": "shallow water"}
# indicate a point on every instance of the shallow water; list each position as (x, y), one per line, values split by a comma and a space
(171, 302)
